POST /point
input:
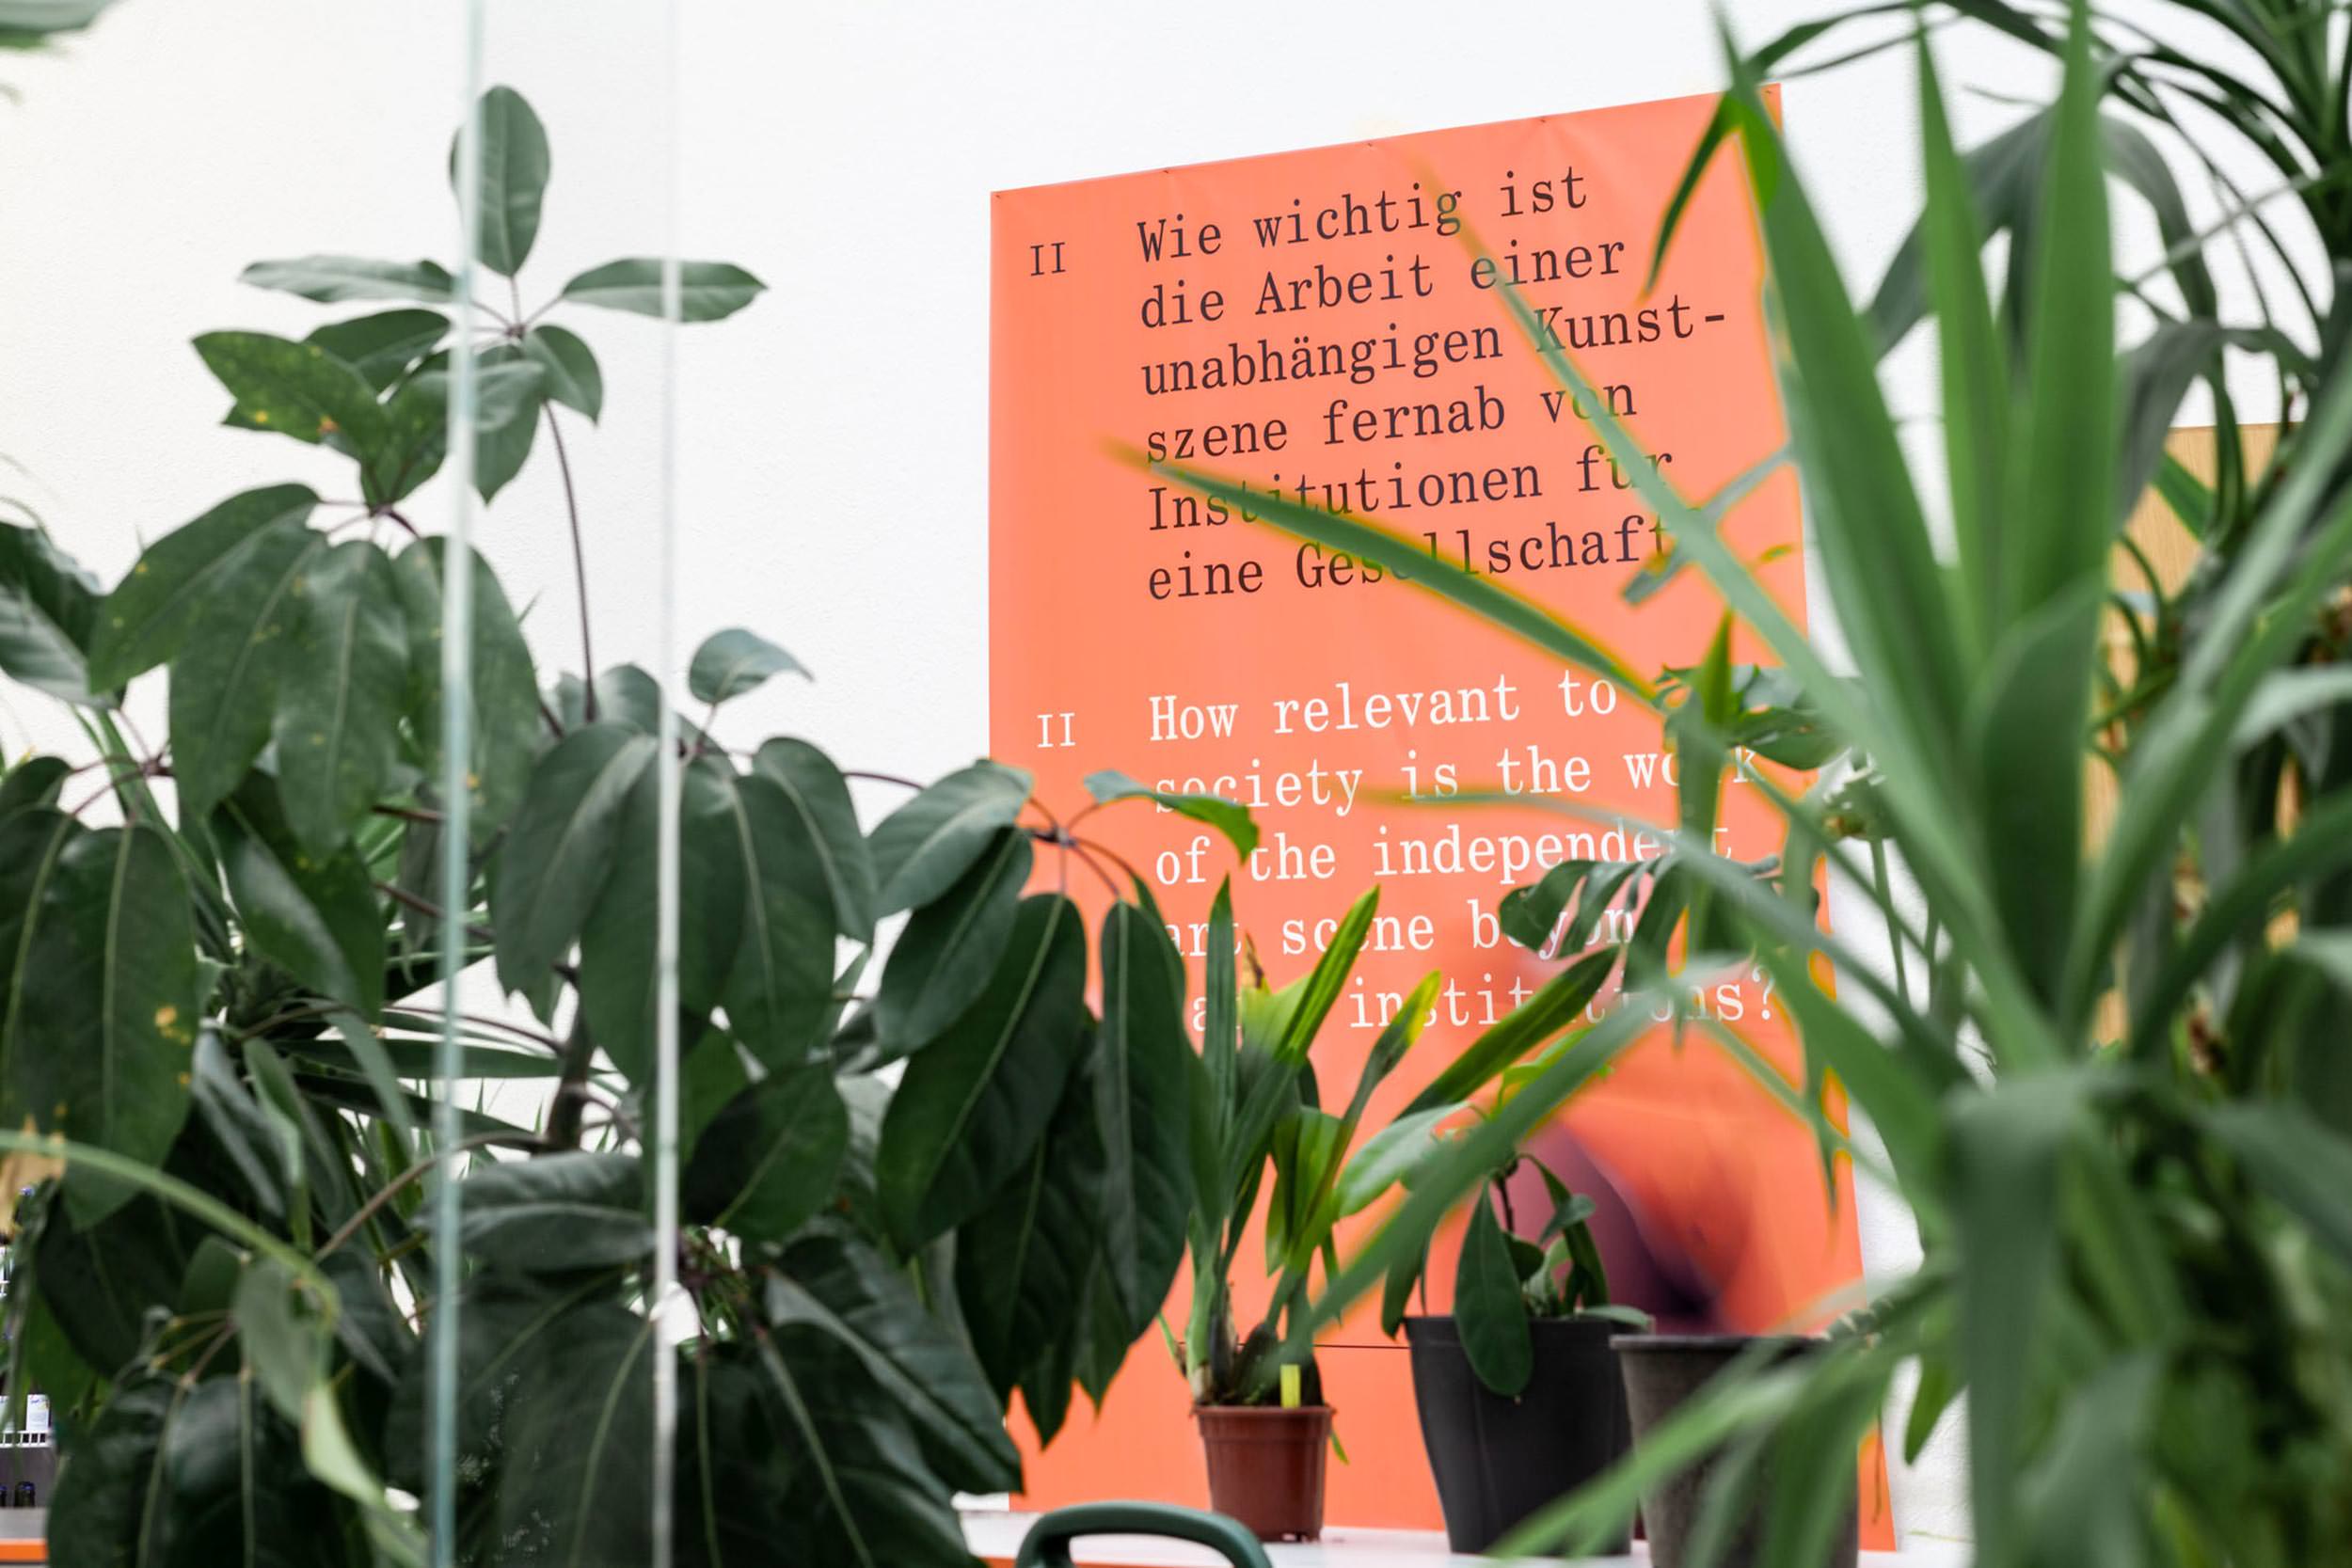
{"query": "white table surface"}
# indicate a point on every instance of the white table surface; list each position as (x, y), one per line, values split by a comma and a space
(996, 1535)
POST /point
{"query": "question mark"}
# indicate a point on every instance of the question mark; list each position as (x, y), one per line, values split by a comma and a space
(1760, 974)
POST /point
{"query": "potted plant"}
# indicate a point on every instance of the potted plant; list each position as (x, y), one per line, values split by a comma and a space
(1715, 1508)
(2103, 1064)
(906, 1186)
(1518, 1388)
(1258, 1110)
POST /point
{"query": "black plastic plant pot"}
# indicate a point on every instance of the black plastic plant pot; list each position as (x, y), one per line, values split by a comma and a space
(1497, 1459)
(1662, 1371)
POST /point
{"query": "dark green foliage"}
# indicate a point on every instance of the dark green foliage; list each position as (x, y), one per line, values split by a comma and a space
(2105, 1069)
(218, 1008)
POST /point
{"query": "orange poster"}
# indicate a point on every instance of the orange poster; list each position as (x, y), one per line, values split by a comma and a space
(1318, 322)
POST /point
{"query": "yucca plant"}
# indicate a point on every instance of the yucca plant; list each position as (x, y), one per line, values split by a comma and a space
(1257, 1111)
(2112, 1079)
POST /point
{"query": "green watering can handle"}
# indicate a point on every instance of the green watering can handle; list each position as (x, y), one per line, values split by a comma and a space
(1048, 1545)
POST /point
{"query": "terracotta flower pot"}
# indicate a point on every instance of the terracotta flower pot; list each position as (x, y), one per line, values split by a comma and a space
(1662, 1371)
(1265, 1466)
(1498, 1459)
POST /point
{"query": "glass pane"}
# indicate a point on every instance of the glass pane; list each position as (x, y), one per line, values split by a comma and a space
(556, 1365)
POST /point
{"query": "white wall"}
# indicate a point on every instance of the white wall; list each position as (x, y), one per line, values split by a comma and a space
(833, 452)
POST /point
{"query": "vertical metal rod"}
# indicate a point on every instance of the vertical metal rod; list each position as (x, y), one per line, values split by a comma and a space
(456, 801)
(665, 1179)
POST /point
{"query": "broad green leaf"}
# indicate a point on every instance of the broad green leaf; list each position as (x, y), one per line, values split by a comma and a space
(818, 791)
(560, 849)
(502, 446)
(1227, 816)
(624, 694)
(513, 180)
(1487, 1311)
(1142, 1083)
(48, 614)
(26, 23)
(102, 1022)
(1809, 1491)
(617, 942)
(1221, 1010)
(228, 674)
(297, 390)
(920, 850)
(1938, 1385)
(1558, 1006)
(1306, 1144)
(554, 1213)
(2156, 374)
(1408, 558)
(512, 1328)
(178, 1472)
(1530, 915)
(1393, 1156)
(779, 994)
(335, 729)
(1319, 991)
(1021, 1264)
(412, 1056)
(506, 724)
(568, 369)
(945, 957)
(2057, 529)
(330, 280)
(972, 1106)
(296, 1141)
(839, 1290)
(2189, 499)
(314, 916)
(114, 1272)
(238, 1127)
(2030, 795)
(415, 438)
(284, 1342)
(110, 1508)
(1977, 386)
(712, 1073)
(34, 782)
(721, 1453)
(2304, 1166)
(1467, 1163)
(146, 619)
(2084, 1499)
(1866, 519)
(861, 1491)
(383, 347)
(575, 1425)
(734, 662)
(2006, 1149)
(2286, 695)
(765, 1164)
(707, 291)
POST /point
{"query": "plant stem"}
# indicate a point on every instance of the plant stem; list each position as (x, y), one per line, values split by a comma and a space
(571, 1090)
(1094, 865)
(427, 908)
(580, 564)
(1112, 855)
(882, 778)
(390, 1190)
